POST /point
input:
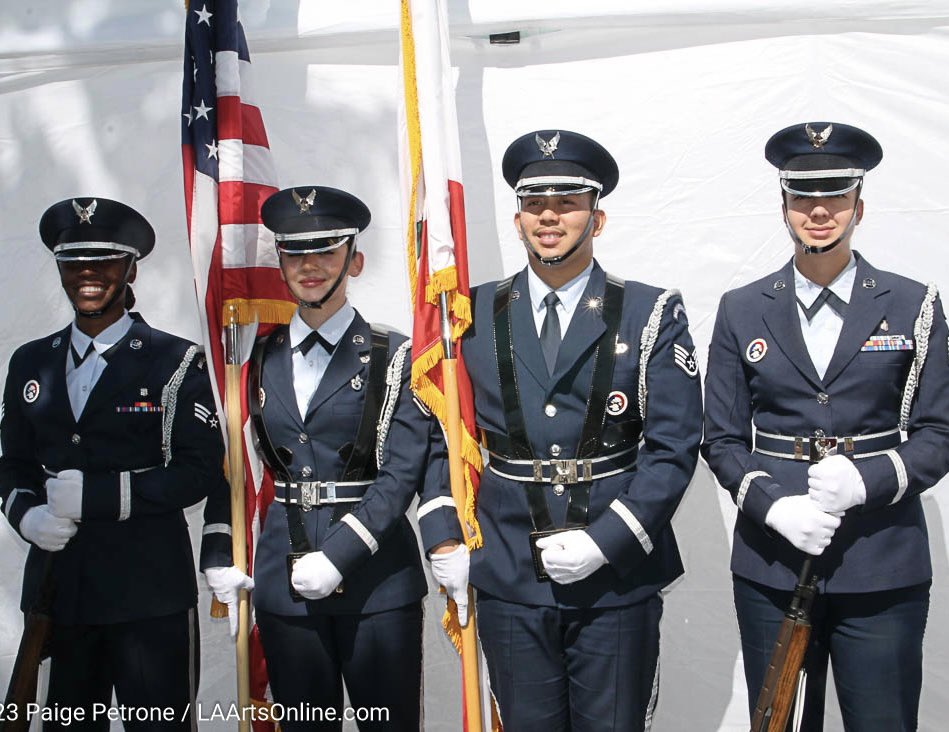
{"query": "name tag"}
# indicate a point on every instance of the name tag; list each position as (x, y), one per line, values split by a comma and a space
(888, 343)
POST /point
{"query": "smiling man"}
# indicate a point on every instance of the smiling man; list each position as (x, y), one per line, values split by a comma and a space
(813, 373)
(587, 392)
(108, 433)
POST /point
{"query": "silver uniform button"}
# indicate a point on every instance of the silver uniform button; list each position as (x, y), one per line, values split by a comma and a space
(307, 471)
(303, 437)
(819, 433)
(555, 450)
(822, 398)
(75, 439)
(550, 410)
(558, 489)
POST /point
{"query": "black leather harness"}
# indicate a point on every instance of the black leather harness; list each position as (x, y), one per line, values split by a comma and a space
(360, 469)
(514, 451)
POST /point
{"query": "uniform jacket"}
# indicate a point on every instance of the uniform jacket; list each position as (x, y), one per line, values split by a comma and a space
(375, 549)
(131, 557)
(629, 512)
(880, 545)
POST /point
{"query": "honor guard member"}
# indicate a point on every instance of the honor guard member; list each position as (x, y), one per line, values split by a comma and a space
(813, 373)
(338, 573)
(587, 393)
(108, 433)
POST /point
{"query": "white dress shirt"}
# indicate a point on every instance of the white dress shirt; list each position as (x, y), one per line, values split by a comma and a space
(823, 331)
(81, 379)
(308, 370)
(569, 294)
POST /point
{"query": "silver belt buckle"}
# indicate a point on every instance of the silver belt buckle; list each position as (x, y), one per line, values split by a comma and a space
(309, 495)
(563, 471)
(821, 447)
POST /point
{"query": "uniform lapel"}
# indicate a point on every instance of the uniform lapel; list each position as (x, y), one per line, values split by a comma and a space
(526, 342)
(53, 374)
(864, 313)
(126, 364)
(586, 325)
(277, 377)
(781, 318)
(344, 364)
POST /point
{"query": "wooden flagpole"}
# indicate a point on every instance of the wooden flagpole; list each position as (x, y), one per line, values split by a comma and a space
(456, 467)
(235, 474)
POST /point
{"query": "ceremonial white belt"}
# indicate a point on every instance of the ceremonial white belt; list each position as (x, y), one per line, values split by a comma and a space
(812, 448)
(308, 494)
(566, 471)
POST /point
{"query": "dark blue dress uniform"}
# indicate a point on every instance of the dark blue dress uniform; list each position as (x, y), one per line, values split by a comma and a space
(765, 402)
(599, 634)
(370, 632)
(148, 447)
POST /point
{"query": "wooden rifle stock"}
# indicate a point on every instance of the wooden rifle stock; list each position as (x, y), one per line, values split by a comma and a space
(36, 630)
(780, 682)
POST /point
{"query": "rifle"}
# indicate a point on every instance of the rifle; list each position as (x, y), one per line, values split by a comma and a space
(781, 680)
(36, 630)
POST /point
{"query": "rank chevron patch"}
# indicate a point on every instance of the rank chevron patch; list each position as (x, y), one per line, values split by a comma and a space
(686, 360)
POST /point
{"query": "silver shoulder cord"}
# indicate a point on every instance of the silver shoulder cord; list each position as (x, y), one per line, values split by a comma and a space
(391, 399)
(169, 401)
(921, 331)
(646, 344)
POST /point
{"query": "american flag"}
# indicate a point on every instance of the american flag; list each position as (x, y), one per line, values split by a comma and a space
(228, 173)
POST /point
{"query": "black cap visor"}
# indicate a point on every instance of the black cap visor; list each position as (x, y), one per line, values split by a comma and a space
(820, 187)
(314, 242)
(92, 251)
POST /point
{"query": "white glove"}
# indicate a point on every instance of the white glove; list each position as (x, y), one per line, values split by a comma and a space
(799, 520)
(835, 484)
(226, 583)
(64, 494)
(571, 556)
(450, 570)
(50, 533)
(314, 576)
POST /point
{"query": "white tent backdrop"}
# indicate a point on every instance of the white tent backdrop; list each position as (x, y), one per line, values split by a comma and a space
(683, 92)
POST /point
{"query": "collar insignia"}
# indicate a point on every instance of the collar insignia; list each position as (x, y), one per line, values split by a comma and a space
(84, 214)
(547, 147)
(304, 203)
(818, 139)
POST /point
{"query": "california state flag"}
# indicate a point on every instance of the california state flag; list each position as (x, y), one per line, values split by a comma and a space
(435, 241)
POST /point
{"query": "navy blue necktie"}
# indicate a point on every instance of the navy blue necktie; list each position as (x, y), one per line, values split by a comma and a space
(78, 358)
(550, 331)
(825, 297)
(307, 343)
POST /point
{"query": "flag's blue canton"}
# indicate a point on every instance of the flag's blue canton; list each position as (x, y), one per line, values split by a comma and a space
(212, 26)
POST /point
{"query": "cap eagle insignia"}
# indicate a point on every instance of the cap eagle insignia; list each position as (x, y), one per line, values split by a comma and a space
(304, 203)
(547, 147)
(818, 139)
(84, 214)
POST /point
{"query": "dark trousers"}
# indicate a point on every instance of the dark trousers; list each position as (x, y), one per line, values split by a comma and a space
(557, 669)
(873, 639)
(379, 656)
(152, 664)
